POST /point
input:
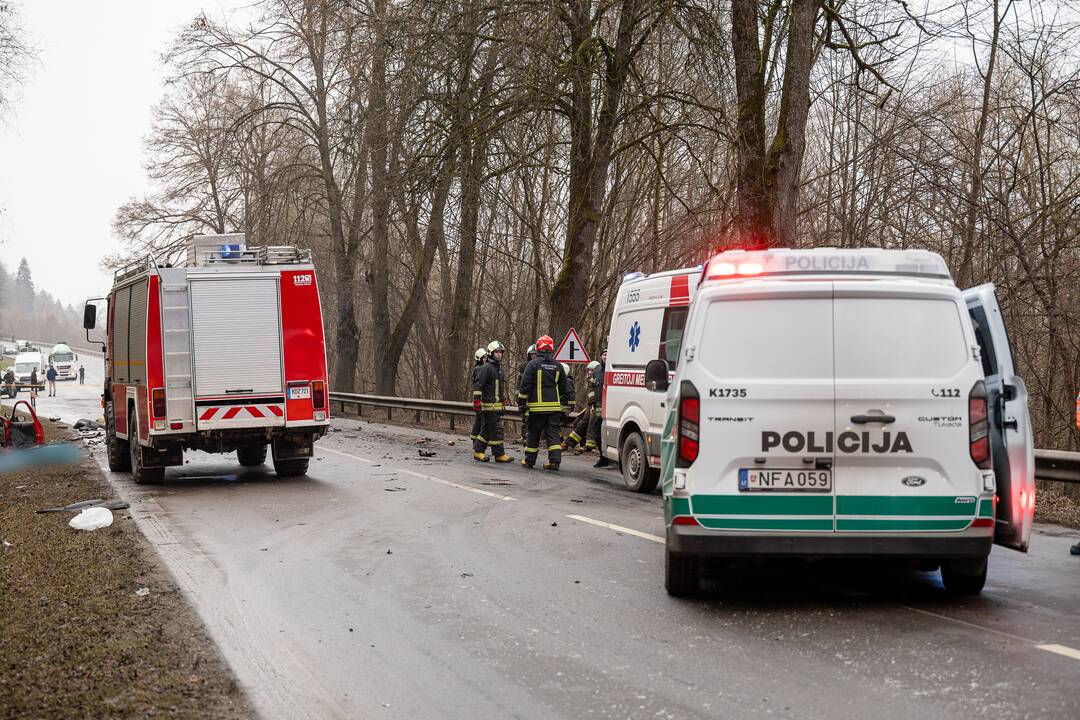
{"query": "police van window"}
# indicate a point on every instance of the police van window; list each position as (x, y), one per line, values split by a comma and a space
(671, 334)
(772, 339)
(989, 357)
(898, 338)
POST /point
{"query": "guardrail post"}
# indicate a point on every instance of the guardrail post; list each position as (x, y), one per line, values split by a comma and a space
(389, 413)
(451, 421)
(417, 417)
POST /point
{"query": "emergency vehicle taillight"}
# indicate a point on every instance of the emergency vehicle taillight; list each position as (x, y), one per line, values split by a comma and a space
(158, 405)
(689, 419)
(979, 426)
(318, 394)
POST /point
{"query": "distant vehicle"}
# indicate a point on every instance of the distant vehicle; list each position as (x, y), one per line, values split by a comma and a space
(226, 354)
(26, 363)
(65, 361)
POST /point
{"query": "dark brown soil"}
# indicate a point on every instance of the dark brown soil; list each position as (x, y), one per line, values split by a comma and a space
(75, 639)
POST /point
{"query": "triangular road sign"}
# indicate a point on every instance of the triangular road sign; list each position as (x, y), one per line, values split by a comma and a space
(571, 350)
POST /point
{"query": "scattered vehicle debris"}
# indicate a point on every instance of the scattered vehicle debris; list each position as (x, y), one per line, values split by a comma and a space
(426, 453)
(92, 518)
(82, 505)
(143, 591)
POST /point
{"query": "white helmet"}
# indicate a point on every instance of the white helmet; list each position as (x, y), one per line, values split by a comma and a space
(565, 369)
(480, 353)
(495, 346)
(593, 364)
(532, 349)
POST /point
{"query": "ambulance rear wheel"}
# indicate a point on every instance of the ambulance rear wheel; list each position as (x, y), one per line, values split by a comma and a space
(682, 574)
(634, 460)
(119, 454)
(251, 455)
(139, 473)
(963, 577)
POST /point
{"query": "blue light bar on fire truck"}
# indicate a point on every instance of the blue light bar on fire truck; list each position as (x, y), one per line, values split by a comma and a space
(741, 264)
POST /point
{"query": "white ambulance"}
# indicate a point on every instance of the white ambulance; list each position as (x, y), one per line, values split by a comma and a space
(843, 403)
(646, 324)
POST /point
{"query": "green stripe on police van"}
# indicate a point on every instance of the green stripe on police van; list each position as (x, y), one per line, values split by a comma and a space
(762, 504)
(986, 508)
(675, 506)
(766, 523)
(904, 505)
(903, 525)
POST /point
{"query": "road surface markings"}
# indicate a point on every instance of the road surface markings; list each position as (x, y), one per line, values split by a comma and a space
(422, 476)
(1061, 650)
(617, 528)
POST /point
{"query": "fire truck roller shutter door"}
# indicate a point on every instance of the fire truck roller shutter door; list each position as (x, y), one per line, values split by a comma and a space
(119, 350)
(237, 336)
(137, 334)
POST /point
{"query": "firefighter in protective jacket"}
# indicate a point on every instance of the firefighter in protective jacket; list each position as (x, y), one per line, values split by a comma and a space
(490, 399)
(542, 390)
(480, 356)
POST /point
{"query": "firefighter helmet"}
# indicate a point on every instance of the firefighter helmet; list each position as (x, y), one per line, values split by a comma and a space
(532, 350)
(495, 346)
(565, 369)
(480, 354)
(544, 342)
(593, 364)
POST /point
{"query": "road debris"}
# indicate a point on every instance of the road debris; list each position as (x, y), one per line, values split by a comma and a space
(395, 489)
(426, 453)
(83, 504)
(92, 519)
(497, 481)
(143, 591)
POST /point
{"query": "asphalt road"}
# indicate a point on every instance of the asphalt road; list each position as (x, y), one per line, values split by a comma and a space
(390, 585)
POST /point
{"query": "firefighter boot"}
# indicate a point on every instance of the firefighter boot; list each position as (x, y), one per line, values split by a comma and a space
(504, 458)
(553, 466)
(479, 457)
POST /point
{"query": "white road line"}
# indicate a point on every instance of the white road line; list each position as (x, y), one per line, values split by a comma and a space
(1061, 650)
(422, 476)
(617, 528)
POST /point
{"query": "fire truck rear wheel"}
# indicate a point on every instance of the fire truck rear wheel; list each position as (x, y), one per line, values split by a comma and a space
(119, 454)
(291, 468)
(141, 475)
(251, 455)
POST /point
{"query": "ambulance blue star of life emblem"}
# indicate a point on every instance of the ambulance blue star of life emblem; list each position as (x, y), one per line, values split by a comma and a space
(635, 336)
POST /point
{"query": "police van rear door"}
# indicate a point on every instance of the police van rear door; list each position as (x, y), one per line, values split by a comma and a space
(1011, 437)
(903, 375)
(763, 370)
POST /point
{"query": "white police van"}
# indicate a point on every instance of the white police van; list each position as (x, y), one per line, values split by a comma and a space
(842, 403)
(646, 324)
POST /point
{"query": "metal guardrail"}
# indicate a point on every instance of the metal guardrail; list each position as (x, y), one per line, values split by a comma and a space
(1053, 465)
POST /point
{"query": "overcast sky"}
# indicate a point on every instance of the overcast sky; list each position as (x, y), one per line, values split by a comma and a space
(71, 149)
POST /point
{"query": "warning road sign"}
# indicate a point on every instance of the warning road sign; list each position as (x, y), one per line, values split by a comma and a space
(571, 350)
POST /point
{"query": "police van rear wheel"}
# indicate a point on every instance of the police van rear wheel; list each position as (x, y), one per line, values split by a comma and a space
(634, 460)
(682, 574)
(251, 455)
(963, 577)
(119, 457)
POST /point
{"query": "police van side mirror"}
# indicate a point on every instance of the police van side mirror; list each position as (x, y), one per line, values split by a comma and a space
(656, 376)
(89, 316)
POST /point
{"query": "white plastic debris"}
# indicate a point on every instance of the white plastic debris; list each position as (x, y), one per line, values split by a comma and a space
(92, 519)
(143, 591)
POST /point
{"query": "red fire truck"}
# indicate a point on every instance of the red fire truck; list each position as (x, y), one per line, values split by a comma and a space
(226, 353)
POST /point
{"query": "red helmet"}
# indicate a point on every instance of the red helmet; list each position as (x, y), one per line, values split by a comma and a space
(544, 342)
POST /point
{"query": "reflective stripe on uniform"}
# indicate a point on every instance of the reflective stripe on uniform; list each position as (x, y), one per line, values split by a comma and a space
(554, 447)
(545, 407)
(532, 450)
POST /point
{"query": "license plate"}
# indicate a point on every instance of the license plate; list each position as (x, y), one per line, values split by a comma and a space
(300, 393)
(784, 480)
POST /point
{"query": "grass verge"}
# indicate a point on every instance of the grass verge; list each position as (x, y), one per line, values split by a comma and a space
(76, 641)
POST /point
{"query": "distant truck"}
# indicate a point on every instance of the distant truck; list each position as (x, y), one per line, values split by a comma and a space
(25, 364)
(226, 354)
(65, 361)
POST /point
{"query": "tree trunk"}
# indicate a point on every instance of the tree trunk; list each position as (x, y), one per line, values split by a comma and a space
(379, 274)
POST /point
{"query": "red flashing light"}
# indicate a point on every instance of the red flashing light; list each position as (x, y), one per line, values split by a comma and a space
(723, 269)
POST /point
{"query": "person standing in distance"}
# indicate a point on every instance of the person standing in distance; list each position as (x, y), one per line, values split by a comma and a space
(541, 392)
(480, 356)
(51, 375)
(490, 399)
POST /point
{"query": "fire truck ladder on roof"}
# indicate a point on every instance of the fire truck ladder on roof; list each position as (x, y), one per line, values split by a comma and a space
(176, 337)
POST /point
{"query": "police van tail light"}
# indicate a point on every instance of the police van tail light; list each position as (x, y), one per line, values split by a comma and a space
(689, 419)
(979, 426)
(158, 405)
(318, 394)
